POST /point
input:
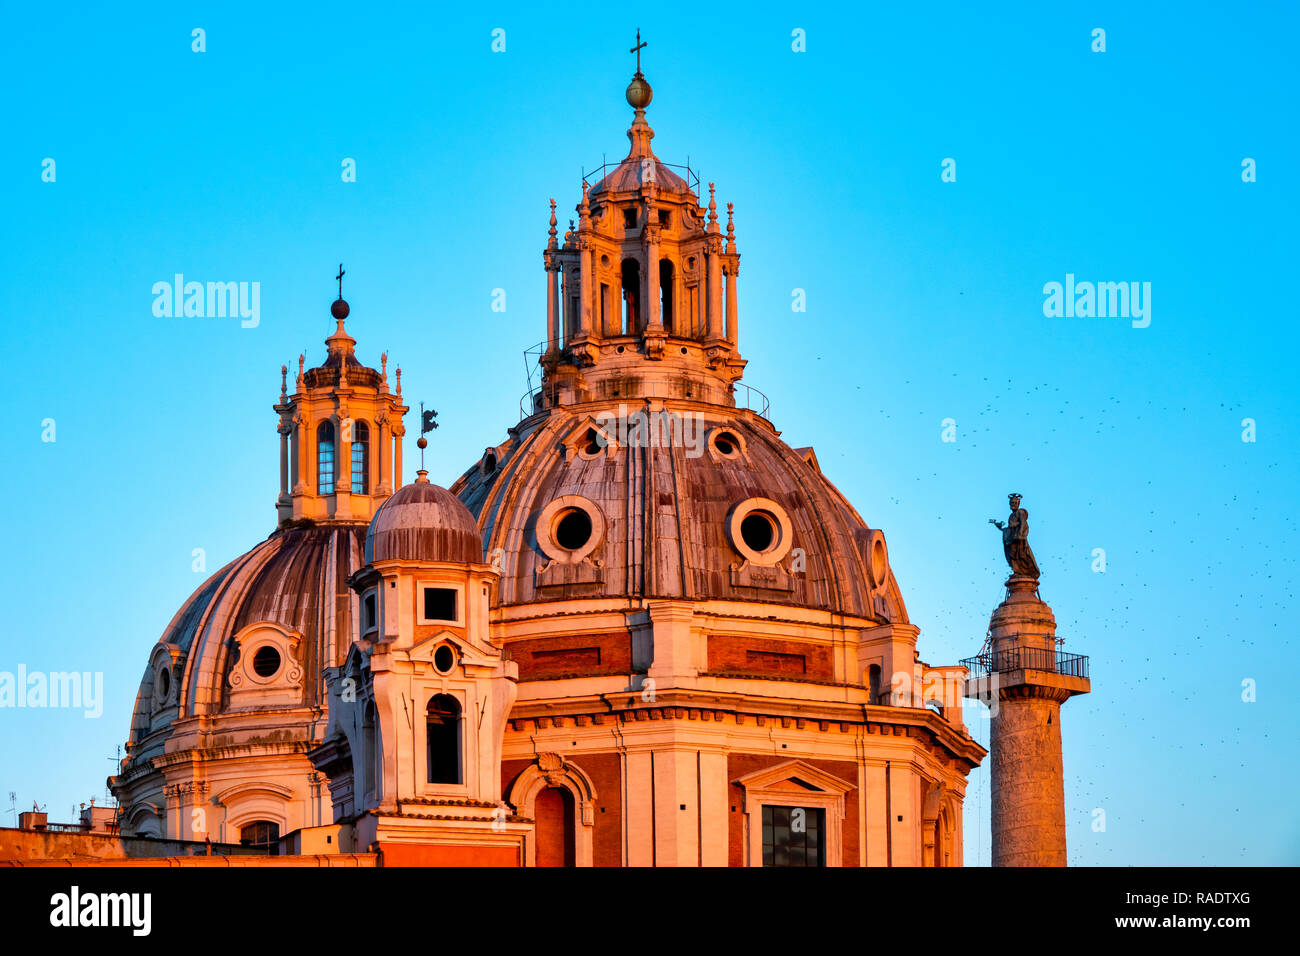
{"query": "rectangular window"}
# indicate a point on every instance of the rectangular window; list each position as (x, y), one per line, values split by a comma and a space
(368, 612)
(440, 604)
(793, 836)
(629, 218)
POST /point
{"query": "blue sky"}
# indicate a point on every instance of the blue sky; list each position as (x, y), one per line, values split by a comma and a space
(924, 302)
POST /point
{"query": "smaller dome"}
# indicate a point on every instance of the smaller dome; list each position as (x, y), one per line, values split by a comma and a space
(424, 522)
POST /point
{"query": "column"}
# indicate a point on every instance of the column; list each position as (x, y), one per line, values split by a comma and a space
(284, 430)
(566, 307)
(654, 317)
(303, 427)
(343, 465)
(552, 307)
(712, 297)
(731, 304)
(584, 293)
(398, 432)
(381, 485)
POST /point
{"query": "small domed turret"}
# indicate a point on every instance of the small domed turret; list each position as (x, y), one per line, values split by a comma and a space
(424, 522)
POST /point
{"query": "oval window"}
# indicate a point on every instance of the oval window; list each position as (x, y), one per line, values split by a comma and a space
(444, 659)
(164, 683)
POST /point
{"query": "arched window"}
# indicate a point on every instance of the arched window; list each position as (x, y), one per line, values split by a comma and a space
(667, 294)
(262, 834)
(442, 727)
(325, 458)
(631, 296)
(360, 458)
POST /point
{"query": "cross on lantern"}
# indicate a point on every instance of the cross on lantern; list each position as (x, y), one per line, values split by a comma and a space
(637, 50)
(340, 278)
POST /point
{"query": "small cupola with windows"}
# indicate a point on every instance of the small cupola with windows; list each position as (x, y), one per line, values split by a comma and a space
(340, 433)
(641, 293)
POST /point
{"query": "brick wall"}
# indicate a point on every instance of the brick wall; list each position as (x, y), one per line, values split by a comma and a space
(581, 654)
(729, 654)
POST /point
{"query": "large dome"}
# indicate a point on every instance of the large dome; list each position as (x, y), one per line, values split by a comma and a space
(294, 580)
(673, 521)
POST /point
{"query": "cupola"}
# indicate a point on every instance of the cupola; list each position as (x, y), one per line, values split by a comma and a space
(340, 433)
(641, 294)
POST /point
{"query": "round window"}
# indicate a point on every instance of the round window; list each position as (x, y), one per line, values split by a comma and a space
(569, 529)
(726, 444)
(444, 659)
(266, 661)
(572, 529)
(758, 530)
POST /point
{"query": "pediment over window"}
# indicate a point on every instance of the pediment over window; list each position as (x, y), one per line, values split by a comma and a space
(463, 653)
(590, 439)
(795, 776)
(424, 651)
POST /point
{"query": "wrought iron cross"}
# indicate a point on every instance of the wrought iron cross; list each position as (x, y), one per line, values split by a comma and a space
(340, 278)
(637, 50)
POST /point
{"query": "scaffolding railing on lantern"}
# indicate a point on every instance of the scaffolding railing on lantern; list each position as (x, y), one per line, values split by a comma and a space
(747, 396)
(743, 396)
(692, 176)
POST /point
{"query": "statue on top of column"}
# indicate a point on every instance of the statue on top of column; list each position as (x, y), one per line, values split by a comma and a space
(1015, 540)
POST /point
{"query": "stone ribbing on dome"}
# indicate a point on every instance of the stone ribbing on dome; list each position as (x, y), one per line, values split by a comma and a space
(424, 522)
(296, 580)
(666, 515)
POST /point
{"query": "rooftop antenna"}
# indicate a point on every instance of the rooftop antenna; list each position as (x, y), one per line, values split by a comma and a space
(13, 806)
(117, 768)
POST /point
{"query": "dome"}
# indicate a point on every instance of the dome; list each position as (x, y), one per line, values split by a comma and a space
(424, 522)
(289, 580)
(673, 520)
(628, 175)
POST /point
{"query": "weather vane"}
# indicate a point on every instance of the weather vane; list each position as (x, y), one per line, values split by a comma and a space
(427, 424)
(637, 50)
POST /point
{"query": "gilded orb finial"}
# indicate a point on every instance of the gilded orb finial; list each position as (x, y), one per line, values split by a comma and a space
(639, 94)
